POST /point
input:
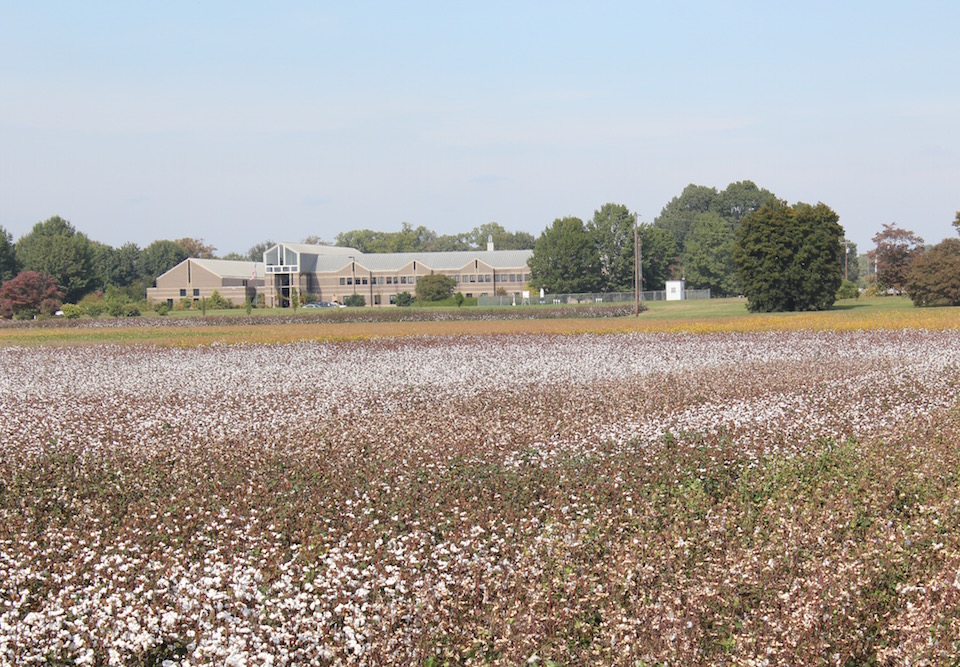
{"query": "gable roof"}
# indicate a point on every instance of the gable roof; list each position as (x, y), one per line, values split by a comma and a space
(334, 258)
(225, 268)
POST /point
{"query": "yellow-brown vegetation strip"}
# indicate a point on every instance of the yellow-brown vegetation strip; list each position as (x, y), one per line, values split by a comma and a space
(652, 321)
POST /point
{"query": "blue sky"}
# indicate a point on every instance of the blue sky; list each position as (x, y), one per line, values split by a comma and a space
(237, 122)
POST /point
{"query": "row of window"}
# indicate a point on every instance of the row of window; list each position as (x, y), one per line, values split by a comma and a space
(183, 292)
(412, 280)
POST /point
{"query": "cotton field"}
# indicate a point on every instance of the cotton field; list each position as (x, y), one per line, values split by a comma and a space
(628, 499)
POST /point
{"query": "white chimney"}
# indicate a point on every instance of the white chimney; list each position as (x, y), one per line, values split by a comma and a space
(489, 242)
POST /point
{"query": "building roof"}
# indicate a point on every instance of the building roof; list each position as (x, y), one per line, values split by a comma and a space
(227, 268)
(335, 258)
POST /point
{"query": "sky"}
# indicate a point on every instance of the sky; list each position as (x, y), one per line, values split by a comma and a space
(239, 122)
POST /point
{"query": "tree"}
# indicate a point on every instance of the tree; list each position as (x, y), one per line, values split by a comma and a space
(849, 260)
(354, 300)
(55, 248)
(255, 253)
(740, 199)
(678, 216)
(659, 257)
(708, 258)
(196, 248)
(435, 287)
(934, 277)
(612, 230)
(956, 222)
(450, 242)
(565, 259)
(697, 203)
(502, 239)
(8, 257)
(161, 256)
(895, 250)
(28, 294)
(788, 257)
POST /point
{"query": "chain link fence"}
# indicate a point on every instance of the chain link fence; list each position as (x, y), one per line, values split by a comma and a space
(596, 297)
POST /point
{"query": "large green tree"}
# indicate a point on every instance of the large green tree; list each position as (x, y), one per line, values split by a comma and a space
(565, 259)
(612, 231)
(934, 276)
(788, 257)
(895, 250)
(8, 256)
(55, 248)
(678, 216)
(659, 257)
(708, 257)
(161, 256)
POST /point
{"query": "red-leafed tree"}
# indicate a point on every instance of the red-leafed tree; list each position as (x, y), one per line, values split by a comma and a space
(895, 251)
(29, 293)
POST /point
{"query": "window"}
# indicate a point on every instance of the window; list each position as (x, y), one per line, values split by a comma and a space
(349, 281)
(393, 299)
(196, 292)
(473, 279)
(364, 281)
(183, 292)
(526, 277)
(403, 280)
(343, 281)
(487, 278)
(389, 280)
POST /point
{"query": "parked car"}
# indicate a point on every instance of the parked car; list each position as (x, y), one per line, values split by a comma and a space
(323, 304)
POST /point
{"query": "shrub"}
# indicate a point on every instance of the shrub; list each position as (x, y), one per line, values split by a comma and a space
(161, 308)
(404, 299)
(28, 294)
(71, 311)
(356, 300)
(216, 301)
(131, 310)
(435, 287)
(848, 290)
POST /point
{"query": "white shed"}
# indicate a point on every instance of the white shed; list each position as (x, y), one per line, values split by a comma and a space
(675, 289)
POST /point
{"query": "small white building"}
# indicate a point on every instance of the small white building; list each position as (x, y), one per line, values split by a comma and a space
(675, 290)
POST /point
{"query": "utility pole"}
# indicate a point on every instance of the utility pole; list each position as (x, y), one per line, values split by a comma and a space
(637, 265)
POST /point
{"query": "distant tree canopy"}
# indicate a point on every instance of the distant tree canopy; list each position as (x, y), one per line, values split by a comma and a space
(933, 278)
(788, 257)
(196, 248)
(895, 250)
(55, 248)
(421, 239)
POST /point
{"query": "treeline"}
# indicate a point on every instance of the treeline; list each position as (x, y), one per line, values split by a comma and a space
(693, 238)
(421, 239)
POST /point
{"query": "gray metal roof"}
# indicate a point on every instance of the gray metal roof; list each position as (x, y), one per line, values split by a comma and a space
(227, 268)
(395, 261)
